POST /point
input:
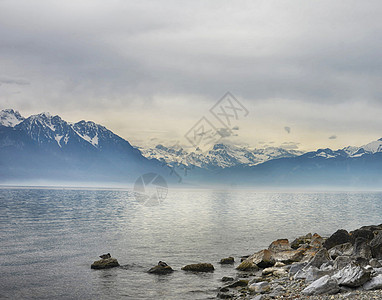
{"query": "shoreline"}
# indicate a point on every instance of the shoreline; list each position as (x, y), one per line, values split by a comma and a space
(342, 266)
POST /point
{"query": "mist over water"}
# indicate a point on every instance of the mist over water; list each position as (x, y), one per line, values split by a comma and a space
(50, 237)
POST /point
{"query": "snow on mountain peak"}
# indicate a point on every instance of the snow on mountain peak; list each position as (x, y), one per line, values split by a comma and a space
(10, 118)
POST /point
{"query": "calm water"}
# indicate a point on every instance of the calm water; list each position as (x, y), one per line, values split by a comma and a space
(49, 237)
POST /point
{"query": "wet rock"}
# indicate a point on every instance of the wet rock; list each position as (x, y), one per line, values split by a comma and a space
(323, 285)
(227, 260)
(225, 295)
(321, 257)
(341, 236)
(352, 276)
(341, 250)
(247, 265)
(201, 267)
(341, 262)
(226, 279)
(301, 240)
(260, 287)
(105, 263)
(376, 245)
(243, 258)
(161, 268)
(374, 284)
(238, 283)
(362, 248)
(279, 245)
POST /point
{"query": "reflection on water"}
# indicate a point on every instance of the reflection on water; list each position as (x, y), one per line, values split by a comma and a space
(50, 237)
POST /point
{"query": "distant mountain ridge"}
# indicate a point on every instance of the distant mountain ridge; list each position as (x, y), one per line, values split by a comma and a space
(220, 156)
(46, 148)
(43, 145)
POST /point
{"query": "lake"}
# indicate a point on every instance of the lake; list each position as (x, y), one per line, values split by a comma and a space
(49, 237)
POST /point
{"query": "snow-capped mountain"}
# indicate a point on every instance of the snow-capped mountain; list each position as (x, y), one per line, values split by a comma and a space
(220, 156)
(348, 152)
(10, 118)
(43, 145)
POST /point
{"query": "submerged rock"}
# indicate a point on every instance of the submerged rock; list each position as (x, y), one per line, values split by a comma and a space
(161, 268)
(201, 267)
(105, 263)
(227, 261)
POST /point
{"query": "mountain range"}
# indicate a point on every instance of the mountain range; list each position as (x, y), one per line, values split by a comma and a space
(44, 149)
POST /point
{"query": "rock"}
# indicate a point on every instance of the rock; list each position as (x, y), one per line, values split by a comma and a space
(225, 296)
(296, 267)
(260, 287)
(352, 276)
(279, 245)
(341, 262)
(247, 265)
(341, 250)
(316, 241)
(259, 297)
(374, 284)
(161, 269)
(105, 263)
(256, 279)
(238, 283)
(341, 236)
(362, 248)
(375, 263)
(274, 271)
(324, 285)
(361, 261)
(243, 258)
(301, 240)
(225, 279)
(376, 246)
(228, 260)
(263, 259)
(201, 267)
(312, 273)
(320, 258)
(364, 233)
(289, 256)
(279, 264)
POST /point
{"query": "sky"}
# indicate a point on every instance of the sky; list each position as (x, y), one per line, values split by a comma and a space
(308, 73)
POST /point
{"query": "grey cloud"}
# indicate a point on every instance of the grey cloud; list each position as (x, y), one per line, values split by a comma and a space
(287, 129)
(6, 80)
(235, 128)
(290, 145)
(332, 137)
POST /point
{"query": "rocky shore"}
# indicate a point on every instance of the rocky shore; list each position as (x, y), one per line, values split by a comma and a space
(346, 265)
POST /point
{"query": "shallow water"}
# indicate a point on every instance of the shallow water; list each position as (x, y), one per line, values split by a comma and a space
(50, 237)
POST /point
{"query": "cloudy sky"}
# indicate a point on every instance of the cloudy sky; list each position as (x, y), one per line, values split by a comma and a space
(308, 72)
